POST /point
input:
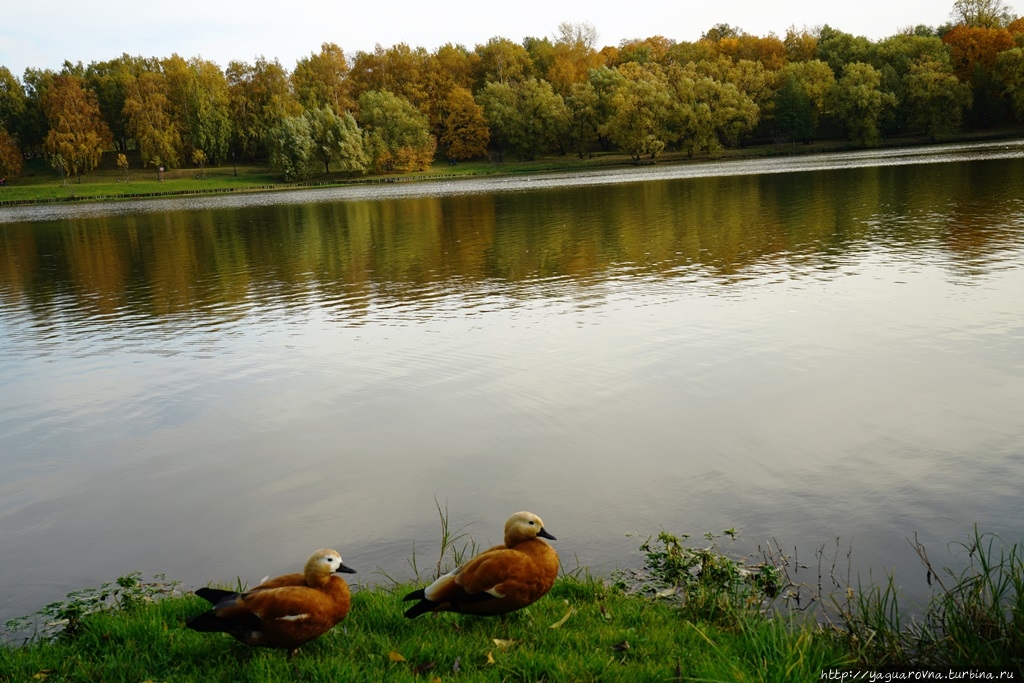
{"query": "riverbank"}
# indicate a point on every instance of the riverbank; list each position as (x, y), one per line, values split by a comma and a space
(691, 614)
(40, 184)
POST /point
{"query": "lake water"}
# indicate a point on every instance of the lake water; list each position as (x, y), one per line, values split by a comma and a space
(804, 349)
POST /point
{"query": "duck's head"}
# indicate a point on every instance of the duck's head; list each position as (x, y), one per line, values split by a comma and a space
(323, 563)
(522, 526)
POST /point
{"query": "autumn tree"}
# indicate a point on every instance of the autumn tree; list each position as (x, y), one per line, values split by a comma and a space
(801, 45)
(859, 102)
(583, 104)
(151, 123)
(260, 97)
(465, 134)
(652, 50)
(11, 160)
(112, 81)
(78, 134)
(573, 56)
(399, 69)
(396, 135)
(450, 68)
(974, 53)
(198, 159)
(502, 61)
(199, 104)
(322, 80)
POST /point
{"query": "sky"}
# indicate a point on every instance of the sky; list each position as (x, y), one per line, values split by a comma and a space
(42, 35)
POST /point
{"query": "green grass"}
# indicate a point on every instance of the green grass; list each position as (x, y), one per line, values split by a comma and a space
(608, 635)
(691, 613)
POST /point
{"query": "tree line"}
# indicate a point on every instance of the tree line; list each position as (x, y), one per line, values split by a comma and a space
(397, 109)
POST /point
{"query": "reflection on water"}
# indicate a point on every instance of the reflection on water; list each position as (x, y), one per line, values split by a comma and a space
(205, 387)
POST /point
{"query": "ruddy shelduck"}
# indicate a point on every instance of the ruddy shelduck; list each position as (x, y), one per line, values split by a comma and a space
(283, 612)
(499, 580)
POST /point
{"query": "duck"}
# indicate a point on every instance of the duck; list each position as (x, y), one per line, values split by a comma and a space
(283, 612)
(499, 580)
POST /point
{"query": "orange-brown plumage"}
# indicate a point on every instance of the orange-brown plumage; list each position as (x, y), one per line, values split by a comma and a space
(284, 612)
(499, 580)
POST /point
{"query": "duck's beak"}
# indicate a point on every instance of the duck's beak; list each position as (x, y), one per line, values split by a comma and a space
(342, 569)
(544, 534)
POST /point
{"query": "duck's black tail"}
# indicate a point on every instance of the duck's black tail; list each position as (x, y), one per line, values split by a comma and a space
(421, 607)
(214, 595)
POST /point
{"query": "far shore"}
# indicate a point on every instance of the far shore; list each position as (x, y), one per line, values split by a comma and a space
(41, 185)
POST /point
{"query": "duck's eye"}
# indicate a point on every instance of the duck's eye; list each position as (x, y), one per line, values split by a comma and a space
(531, 522)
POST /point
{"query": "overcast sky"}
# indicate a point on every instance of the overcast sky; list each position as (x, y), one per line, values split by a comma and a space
(42, 33)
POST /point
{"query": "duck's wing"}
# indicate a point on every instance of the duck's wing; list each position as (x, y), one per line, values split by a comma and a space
(495, 573)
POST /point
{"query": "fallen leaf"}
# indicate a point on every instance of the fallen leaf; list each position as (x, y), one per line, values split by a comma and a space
(395, 657)
(667, 593)
(435, 679)
(504, 644)
(558, 624)
(490, 658)
(43, 674)
(457, 665)
(423, 668)
(621, 647)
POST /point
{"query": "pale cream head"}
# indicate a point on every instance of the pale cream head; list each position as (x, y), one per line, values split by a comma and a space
(522, 526)
(322, 563)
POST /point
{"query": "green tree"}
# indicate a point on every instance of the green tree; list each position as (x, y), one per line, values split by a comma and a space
(291, 149)
(837, 49)
(859, 103)
(78, 134)
(641, 109)
(935, 98)
(336, 139)
(794, 113)
(396, 135)
(1010, 72)
(691, 121)
(12, 100)
(525, 117)
(33, 127)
